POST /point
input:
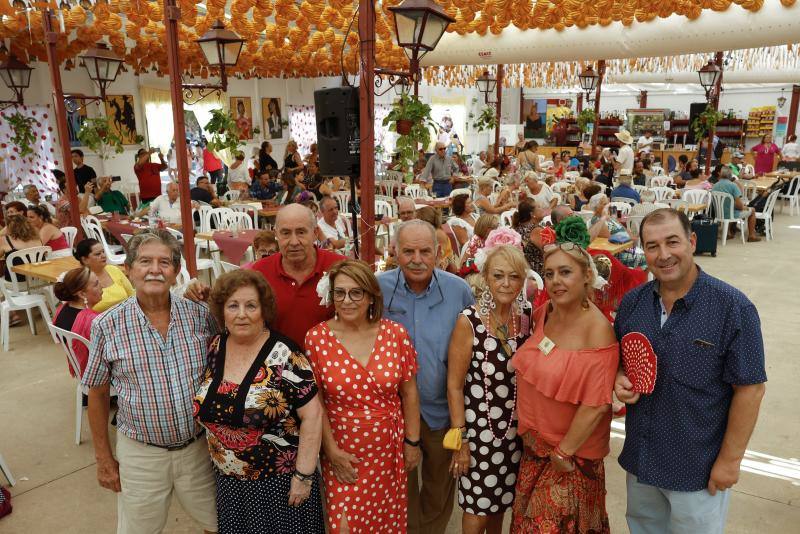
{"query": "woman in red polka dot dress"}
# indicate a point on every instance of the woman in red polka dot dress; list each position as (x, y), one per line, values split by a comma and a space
(365, 368)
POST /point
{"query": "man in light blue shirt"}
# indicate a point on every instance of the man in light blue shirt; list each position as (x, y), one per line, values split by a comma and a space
(740, 209)
(439, 170)
(427, 302)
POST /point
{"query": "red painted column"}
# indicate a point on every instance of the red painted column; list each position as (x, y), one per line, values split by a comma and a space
(366, 36)
(500, 75)
(60, 110)
(790, 130)
(172, 16)
(601, 70)
(715, 104)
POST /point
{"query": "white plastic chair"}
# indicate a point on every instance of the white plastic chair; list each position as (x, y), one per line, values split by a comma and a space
(70, 232)
(248, 209)
(657, 170)
(66, 338)
(394, 176)
(220, 217)
(6, 471)
(414, 191)
(231, 195)
(639, 188)
(749, 191)
(461, 191)
(624, 200)
(766, 215)
(748, 170)
(587, 217)
(696, 196)
(634, 222)
(16, 299)
(724, 214)
(95, 230)
(679, 204)
(240, 221)
(660, 181)
(506, 217)
(342, 199)
(202, 264)
(622, 207)
(229, 267)
(663, 193)
(793, 196)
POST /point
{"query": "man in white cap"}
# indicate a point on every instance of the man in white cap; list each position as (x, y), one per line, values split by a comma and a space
(623, 163)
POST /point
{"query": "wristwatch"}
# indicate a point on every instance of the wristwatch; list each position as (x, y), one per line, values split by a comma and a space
(305, 479)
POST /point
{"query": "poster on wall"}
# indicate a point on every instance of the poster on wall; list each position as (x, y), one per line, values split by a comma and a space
(534, 111)
(74, 122)
(451, 122)
(271, 115)
(557, 109)
(242, 111)
(119, 110)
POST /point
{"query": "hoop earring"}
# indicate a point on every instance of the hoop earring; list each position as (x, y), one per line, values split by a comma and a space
(519, 302)
(486, 303)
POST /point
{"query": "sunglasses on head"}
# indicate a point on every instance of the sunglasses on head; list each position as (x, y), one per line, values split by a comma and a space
(565, 246)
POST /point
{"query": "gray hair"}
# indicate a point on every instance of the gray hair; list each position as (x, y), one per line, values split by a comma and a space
(28, 188)
(595, 201)
(156, 235)
(560, 212)
(415, 222)
(625, 179)
(725, 173)
(402, 199)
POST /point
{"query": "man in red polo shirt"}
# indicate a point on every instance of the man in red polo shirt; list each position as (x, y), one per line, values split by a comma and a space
(292, 274)
(149, 174)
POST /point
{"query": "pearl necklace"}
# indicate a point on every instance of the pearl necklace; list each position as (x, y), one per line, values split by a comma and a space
(487, 384)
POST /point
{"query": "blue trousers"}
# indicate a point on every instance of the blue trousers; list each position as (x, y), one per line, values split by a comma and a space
(442, 188)
(653, 510)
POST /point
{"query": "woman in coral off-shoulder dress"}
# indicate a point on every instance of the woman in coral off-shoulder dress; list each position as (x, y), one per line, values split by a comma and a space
(365, 367)
(565, 376)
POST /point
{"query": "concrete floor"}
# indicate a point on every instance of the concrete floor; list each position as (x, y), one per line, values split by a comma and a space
(57, 491)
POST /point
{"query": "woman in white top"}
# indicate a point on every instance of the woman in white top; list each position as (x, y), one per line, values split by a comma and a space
(238, 177)
(463, 224)
(791, 150)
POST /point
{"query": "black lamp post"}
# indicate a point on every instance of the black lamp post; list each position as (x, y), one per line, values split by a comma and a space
(221, 48)
(16, 74)
(709, 75)
(588, 79)
(486, 85)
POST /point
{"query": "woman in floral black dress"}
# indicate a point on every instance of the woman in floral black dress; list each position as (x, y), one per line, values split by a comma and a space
(258, 401)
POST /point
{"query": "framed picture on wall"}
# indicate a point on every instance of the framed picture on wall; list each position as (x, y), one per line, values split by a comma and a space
(121, 118)
(534, 117)
(242, 111)
(271, 115)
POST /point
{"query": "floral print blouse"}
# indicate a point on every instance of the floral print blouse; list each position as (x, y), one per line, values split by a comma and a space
(253, 427)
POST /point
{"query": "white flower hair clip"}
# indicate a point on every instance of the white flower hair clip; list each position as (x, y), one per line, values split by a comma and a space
(324, 290)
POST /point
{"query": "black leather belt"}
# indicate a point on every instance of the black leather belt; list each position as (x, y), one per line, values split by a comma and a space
(179, 446)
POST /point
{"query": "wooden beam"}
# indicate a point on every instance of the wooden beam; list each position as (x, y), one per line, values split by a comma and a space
(366, 36)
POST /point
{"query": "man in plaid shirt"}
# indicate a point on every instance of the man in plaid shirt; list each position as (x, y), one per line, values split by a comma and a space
(151, 349)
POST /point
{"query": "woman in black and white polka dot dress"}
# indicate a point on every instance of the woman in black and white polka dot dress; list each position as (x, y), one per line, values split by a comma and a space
(481, 391)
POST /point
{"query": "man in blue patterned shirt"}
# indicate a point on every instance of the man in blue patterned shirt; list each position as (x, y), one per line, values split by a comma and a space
(686, 440)
(152, 349)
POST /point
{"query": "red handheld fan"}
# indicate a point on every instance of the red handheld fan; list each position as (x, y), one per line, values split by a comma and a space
(640, 362)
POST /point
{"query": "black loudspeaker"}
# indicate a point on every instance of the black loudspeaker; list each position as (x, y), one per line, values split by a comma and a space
(694, 111)
(338, 135)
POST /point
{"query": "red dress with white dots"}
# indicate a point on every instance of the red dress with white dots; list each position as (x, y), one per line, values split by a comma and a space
(366, 417)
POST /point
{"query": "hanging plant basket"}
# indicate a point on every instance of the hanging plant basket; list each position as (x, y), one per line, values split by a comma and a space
(97, 135)
(404, 126)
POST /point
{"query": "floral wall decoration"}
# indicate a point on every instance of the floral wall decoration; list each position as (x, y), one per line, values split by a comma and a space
(34, 168)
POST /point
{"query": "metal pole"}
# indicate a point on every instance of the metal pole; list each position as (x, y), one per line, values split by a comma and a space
(715, 104)
(51, 37)
(601, 70)
(499, 109)
(415, 72)
(793, 106)
(172, 14)
(579, 104)
(643, 99)
(366, 36)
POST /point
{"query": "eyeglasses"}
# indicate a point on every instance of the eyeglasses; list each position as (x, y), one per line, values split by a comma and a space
(356, 294)
(440, 150)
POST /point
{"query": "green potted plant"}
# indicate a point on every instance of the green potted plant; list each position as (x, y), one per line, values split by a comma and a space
(584, 118)
(96, 134)
(705, 122)
(223, 132)
(24, 136)
(410, 118)
(487, 120)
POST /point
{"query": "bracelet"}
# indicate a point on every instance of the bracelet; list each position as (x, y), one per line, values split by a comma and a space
(561, 454)
(302, 477)
(410, 442)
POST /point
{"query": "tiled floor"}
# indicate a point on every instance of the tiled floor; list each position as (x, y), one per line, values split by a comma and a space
(57, 490)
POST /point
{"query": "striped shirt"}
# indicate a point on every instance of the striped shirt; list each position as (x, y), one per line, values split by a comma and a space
(155, 378)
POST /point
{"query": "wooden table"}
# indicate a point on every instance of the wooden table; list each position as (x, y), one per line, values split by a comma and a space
(268, 212)
(48, 270)
(695, 208)
(602, 243)
(762, 183)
